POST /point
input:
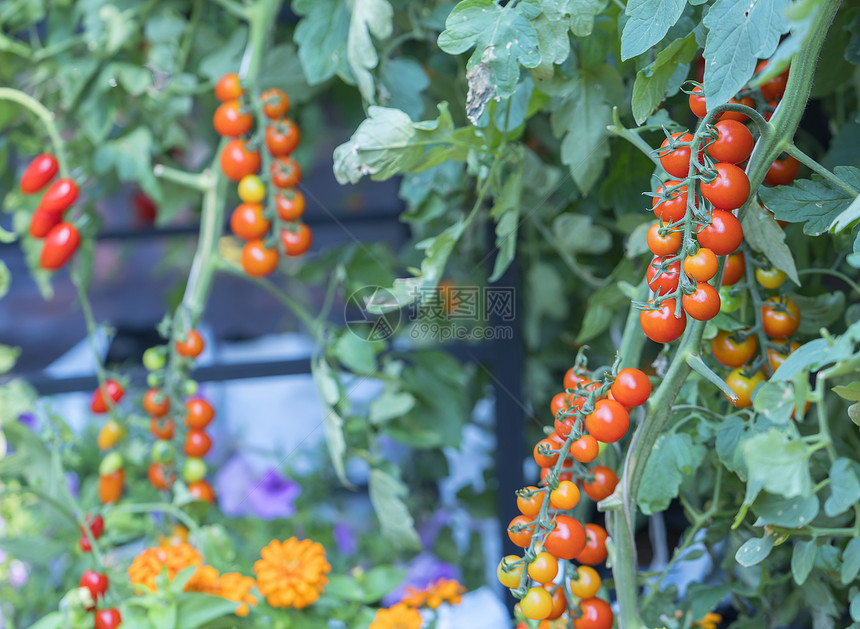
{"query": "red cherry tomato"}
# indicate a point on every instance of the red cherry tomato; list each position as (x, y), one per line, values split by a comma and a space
(567, 539)
(248, 221)
(521, 538)
(595, 614)
(145, 208)
(782, 172)
(108, 619)
(114, 391)
(199, 413)
(595, 551)
(735, 269)
(585, 449)
(604, 483)
(774, 88)
(736, 115)
(780, 317)
(192, 346)
(696, 102)
(59, 196)
(723, 235)
(665, 282)
(609, 421)
(202, 490)
(276, 103)
(663, 245)
(285, 172)
(702, 265)
(257, 260)
(530, 500)
(237, 161)
(744, 384)
(296, 242)
(159, 476)
(660, 323)
(96, 524)
(730, 351)
(282, 137)
(228, 87)
(704, 304)
(546, 460)
(674, 206)
(38, 173)
(676, 162)
(156, 403)
(42, 222)
(60, 245)
(734, 142)
(729, 190)
(95, 582)
(231, 121)
(631, 387)
(162, 427)
(197, 443)
(290, 205)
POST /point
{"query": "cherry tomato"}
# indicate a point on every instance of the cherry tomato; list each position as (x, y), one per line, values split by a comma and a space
(251, 189)
(110, 434)
(38, 173)
(585, 449)
(743, 385)
(782, 172)
(108, 618)
(777, 356)
(159, 476)
(145, 208)
(59, 196)
(585, 582)
(60, 245)
(565, 402)
(257, 260)
(231, 121)
(95, 582)
(696, 101)
(663, 245)
(544, 568)
(510, 571)
(609, 421)
(163, 451)
(565, 496)
(537, 604)
(703, 304)
(567, 539)
(202, 490)
(110, 486)
(42, 222)
(193, 470)
(571, 378)
(546, 460)
(521, 538)
(197, 443)
(736, 115)
(702, 265)
(296, 242)
(199, 413)
(734, 142)
(529, 505)
(290, 205)
(660, 323)
(729, 190)
(595, 551)
(285, 172)
(192, 346)
(228, 87)
(96, 525)
(735, 267)
(162, 428)
(114, 391)
(674, 206)
(604, 483)
(774, 88)
(276, 103)
(248, 221)
(667, 281)
(156, 403)
(780, 317)
(731, 351)
(723, 235)
(282, 137)
(559, 602)
(595, 614)
(676, 162)
(770, 278)
(631, 387)
(237, 161)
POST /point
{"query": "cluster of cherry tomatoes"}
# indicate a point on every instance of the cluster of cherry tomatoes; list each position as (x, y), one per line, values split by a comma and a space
(586, 414)
(253, 219)
(97, 582)
(111, 469)
(61, 238)
(682, 270)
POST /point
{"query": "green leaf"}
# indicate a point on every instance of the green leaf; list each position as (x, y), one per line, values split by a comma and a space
(730, 433)
(763, 233)
(815, 202)
(386, 495)
(775, 401)
(673, 458)
(329, 388)
(54, 620)
(648, 23)
(649, 89)
(131, 157)
(506, 211)
(321, 36)
(195, 610)
(854, 607)
(802, 560)
(778, 464)
(228, 56)
(503, 40)
(8, 357)
(704, 598)
(344, 587)
(577, 233)
(847, 217)
(755, 550)
(844, 487)
(134, 79)
(789, 512)
(354, 353)
(379, 581)
(369, 17)
(819, 311)
(401, 83)
(739, 34)
(850, 561)
(390, 405)
(850, 392)
(582, 14)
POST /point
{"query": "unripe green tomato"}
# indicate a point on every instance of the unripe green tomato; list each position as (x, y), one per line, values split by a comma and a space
(154, 358)
(601, 446)
(110, 464)
(154, 380)
(189, 387)
(163, 451)
(193, 470)
(728, 301)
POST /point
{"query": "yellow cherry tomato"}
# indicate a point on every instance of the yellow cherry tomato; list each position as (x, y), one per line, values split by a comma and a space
(252, 189)
(770, 278)
(110, 434)
(510, 572)
(544, 568)
(537, 604)
(585, 582)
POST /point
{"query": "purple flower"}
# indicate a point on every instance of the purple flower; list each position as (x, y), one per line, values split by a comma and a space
(29, 420)
(423, 570)
(345, 538)
(242, 491)
(73, 484)
(18, 573)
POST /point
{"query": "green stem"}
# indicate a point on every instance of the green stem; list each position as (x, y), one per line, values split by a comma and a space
(620, 130)
(148, 507)
(854, 285)
(184, 48)
(47, 119)
(233, 8)
(633, 338)
(204, 263)
(700, 367)
(806, 160)
(200, 182)
(566, 256)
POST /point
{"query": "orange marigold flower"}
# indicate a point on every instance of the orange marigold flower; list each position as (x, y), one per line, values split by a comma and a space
(237, 587)
(414, 598)
(204, 579)
(292, 573)
(146, 567)
(398, 617)
(436, 593)
(710, 621)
